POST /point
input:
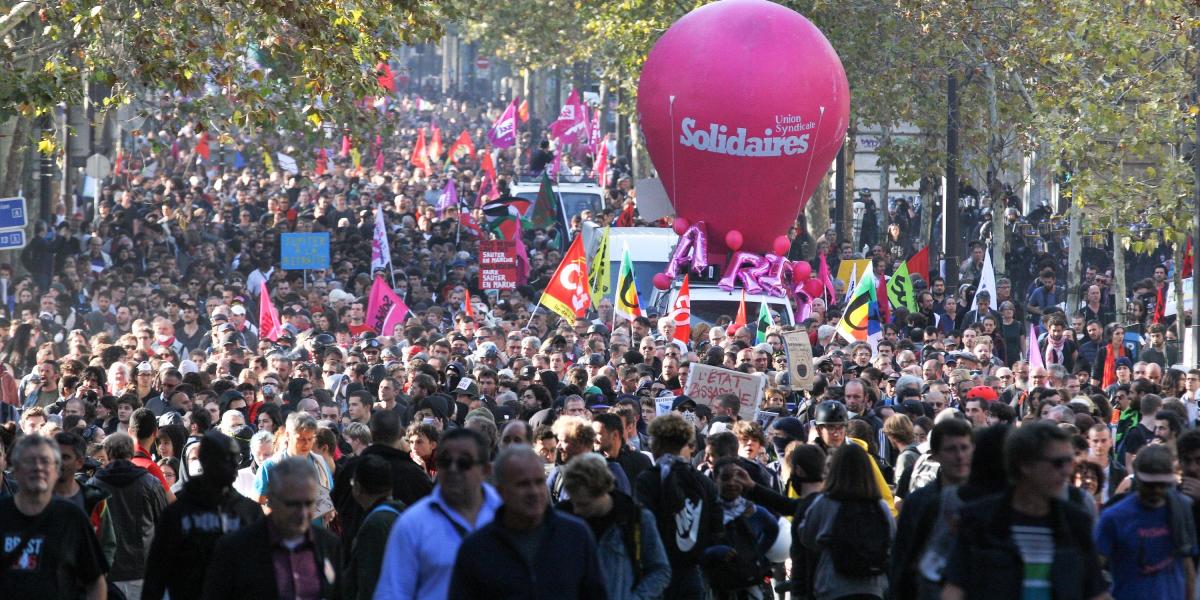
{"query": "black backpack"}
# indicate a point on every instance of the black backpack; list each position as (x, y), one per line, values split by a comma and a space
(746, 568)
(684, 503)
(861, 541)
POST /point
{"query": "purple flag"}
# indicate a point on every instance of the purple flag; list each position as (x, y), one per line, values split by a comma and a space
(449, 198)
(572, 124)
(503, 133)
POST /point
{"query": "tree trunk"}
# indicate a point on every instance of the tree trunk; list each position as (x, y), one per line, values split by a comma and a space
(885, 180)
(1180, 320)
(817, 209)
(1074, 252)
(928, 197)
(995, 189)
(846, 219)
(14, 152)
(1118, 265)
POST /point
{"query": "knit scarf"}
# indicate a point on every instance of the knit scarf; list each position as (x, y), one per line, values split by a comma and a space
(1054, 350)
(732, 509)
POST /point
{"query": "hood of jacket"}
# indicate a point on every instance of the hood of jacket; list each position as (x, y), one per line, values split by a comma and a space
(120, 473)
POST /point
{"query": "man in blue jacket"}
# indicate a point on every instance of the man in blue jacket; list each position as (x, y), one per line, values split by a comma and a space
(530, 550)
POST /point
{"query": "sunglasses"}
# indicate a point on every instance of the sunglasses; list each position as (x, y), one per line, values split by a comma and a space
(461, 463)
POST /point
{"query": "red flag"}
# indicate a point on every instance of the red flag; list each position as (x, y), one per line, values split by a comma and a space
(117, 166)
(1160, 305)
(418, 154)
(470, 310)
(523, 111)
(740, 321)
(322, 162)
(487, 166)
(462, 144)
(681, 313)
(202, 146)
(466, 220)
(345, 147)
(1187, 255)
(568, 294)
(919, 263)
(386, 78)
(269, 325)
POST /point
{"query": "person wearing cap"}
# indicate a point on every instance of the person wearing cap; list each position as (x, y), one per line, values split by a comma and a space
(1148, 538)
(207, 508)
(1003, 546)
(976, 403)
(237, 318)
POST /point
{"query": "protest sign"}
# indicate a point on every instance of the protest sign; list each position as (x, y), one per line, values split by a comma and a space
(304, 251)
(706, 382)
(800, 359)
(1169, 298)
(662, 406)
(497, 265)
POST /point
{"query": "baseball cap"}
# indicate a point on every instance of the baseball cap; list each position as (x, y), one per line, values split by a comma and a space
(467, 387)
(1154, 464)
(595, 360)
(983, 392)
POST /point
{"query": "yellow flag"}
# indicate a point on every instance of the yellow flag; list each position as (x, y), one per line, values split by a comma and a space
(356, 156)
(600, 283)
(270, 164)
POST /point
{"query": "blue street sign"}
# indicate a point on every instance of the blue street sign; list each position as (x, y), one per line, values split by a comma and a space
(12, 240)
(12, 213)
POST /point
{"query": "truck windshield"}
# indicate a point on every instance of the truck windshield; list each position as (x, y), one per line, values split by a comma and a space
(708, 311)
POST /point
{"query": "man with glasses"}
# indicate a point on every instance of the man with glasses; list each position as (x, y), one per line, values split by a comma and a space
(1052, 537)
(48, 548)
(283, 555)
(423, 544)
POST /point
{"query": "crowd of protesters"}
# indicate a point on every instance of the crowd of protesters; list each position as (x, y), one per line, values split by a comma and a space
(156, 445)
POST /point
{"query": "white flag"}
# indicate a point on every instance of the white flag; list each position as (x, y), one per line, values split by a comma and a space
(381, 252)
(287, 163)
(987, 282)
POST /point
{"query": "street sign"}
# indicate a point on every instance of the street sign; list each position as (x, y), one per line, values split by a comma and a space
(12, 240)
(12, 213)
(98, 166)
(483, 63)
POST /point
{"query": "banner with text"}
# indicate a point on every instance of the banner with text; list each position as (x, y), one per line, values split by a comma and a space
(498, 265)
(706, 382)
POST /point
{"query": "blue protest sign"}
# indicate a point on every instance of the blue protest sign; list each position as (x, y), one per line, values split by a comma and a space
(304, 251)
(12, 213)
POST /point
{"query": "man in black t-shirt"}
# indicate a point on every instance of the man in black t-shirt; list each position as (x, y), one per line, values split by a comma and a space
(47, 547)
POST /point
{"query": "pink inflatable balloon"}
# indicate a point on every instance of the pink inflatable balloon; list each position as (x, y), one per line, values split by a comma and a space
(680, 225)
(744, 105)
(733, 240)
(782, 245)
(814, 288)
(662, 281)
(801, 271)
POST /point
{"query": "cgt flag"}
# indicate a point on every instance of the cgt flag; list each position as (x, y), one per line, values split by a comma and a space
(860, 322)
(627, 304)
(681, 313)
(503, 133)
(567, 293)
(598, 275)
(385, 310)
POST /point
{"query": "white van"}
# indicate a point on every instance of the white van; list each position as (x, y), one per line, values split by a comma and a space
(710, 302)
(575, 195)
(649, 249)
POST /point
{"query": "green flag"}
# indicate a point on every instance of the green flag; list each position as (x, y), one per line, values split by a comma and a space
(546, 213)
(598, 273)
(764, 321)
(900, 289)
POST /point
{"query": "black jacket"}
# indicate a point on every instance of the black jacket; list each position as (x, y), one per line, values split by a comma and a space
(921, 508)
(187, 535)
(136, 502)
(566, 565)
(241, 567)
(987, 563)
(633, 462)
(410, 483)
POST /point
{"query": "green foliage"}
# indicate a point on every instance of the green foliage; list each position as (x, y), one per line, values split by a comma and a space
(245, 63)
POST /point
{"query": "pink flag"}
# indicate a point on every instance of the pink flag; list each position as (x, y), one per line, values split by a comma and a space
(572, 125)
(385, 310)
(269, 325)
(522, 259)
(1033, 353)
(379, 161)
(600, 167)
(594, 134)
(826, 280)
(345, 147)
(503, 133)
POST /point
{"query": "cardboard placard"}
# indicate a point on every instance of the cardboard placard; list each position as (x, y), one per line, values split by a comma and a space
(800, 359)
(497, 265)
(706, 382)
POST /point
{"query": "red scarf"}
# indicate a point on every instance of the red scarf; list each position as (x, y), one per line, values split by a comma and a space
(1110, 365)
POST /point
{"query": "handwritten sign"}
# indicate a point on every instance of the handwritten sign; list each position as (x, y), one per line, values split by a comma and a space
(497, 265)
(800, 359)
(304, 251)
(706, 382)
